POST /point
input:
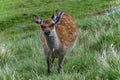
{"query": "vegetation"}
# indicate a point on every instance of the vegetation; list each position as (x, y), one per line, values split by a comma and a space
(95, 57)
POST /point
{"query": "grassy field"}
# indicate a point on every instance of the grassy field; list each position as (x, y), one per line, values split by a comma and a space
(95, 57)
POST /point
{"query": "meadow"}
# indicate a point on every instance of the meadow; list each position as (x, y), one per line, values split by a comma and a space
(96, 55)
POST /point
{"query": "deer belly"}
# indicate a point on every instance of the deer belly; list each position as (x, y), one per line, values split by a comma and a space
(57, 53)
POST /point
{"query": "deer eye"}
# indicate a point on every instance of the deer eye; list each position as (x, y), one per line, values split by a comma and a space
(42, 27)
(53, 24)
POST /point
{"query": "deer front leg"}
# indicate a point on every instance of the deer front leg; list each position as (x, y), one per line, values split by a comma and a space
(60, 61)
(48, 65)
(50, 61)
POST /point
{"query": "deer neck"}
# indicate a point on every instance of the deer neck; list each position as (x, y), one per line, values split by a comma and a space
(53, 41)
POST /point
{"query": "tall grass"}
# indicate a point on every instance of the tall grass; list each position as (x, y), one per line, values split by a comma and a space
(95, 57)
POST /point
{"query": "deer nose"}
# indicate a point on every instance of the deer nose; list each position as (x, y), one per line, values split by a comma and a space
(47, 32)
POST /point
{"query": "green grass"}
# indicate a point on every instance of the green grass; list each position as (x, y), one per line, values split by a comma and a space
(95, 57)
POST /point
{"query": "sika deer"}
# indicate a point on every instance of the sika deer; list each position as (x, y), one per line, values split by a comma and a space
(58, 35)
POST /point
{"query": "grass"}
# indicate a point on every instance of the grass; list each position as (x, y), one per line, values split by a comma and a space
(95, 57)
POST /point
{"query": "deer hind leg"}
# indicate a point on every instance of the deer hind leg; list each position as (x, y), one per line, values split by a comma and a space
(53, 58)
(60, 61)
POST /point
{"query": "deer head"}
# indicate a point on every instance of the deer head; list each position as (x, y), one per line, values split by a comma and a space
(48, 25)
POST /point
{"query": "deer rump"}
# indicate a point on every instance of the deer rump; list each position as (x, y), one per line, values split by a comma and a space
(58, 36)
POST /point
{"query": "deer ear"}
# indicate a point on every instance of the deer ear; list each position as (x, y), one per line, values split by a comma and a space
(56, 16)
(37, 19)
